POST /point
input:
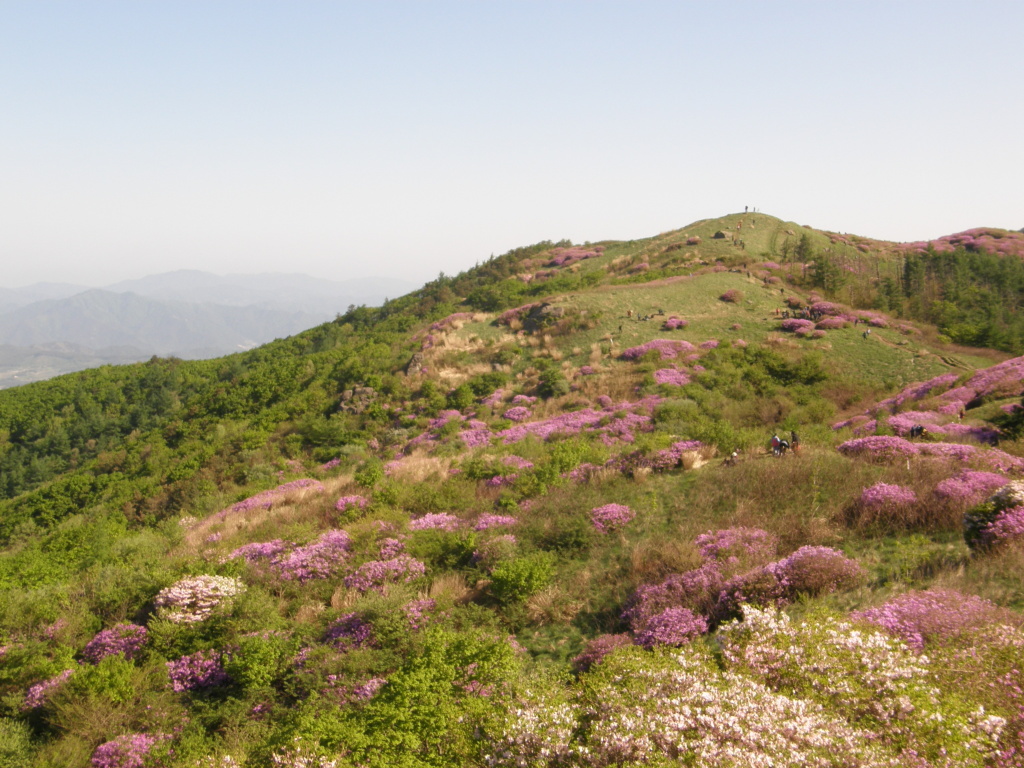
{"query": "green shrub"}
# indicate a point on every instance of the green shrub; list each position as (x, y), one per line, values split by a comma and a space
(258, 660)
(514, 581)
(15, 744)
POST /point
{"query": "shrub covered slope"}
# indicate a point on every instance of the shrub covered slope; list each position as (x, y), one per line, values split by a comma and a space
(529, 516)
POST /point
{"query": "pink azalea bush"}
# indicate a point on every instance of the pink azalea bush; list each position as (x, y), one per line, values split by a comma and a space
(124, 639)
(351, 502)
(319, 559)
(674, 323)
(969, 486)
(438, 521)
(672, 376)
(611, 517)
(128, 751)
(203, 669)
(598, 648)
(886, 495)
(667, 349)
(376, 574)
(673, 626)
(37, 694)
(518, 413)
(794, 324)
(932, 617)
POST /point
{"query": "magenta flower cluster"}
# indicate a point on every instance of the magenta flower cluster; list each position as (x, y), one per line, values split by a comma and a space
(794, 324)
(517, 413)
(932, 617)
(673, 626)
(709, 344)
(437, 521)
(266, 499)
(391, 547)
(969, 486)
(830, 323)
(317, 560)
(37, 694)
(743, 546)
(1008, 526)
(417, 612)
(124, 639)
(487, 520)
(375, 574)
(128, 751)
(264, 550)
(349, 631)
(674, 323)
(887, 495)
(672, 376)
(879, 447)
(667, 349)
(731, 296)
(611, 517)
(203, 669)
(351, 502)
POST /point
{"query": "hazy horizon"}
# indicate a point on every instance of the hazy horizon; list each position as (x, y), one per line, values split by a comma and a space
(349, 139)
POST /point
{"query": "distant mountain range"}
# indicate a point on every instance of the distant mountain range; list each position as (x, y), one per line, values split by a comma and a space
(51, 328)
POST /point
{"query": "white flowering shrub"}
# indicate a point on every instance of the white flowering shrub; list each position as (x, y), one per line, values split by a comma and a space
(534, 729)
(873, 680)
(194, 598)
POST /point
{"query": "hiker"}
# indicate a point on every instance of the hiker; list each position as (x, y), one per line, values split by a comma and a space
(783, 447)
(916, 431)
(629, 313)
(776, 445)
(794, 440)
(733, 458)
(867, 333)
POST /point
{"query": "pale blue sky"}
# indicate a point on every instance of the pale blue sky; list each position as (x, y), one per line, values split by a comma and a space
(347, 139)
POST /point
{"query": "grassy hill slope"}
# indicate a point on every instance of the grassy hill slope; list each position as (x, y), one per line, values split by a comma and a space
(530, 515)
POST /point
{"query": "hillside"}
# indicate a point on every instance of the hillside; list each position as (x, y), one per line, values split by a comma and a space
(530, 515)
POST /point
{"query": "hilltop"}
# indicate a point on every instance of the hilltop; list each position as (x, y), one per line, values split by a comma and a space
(529, 515)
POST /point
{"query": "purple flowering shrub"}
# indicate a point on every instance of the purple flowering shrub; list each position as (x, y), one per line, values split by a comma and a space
(611, 517)
(1006, 528)
(969, 486)
(266, 499)
(436, 521)
(488, 520)
(667, 349)
(203, 669)
(830, 323)
(598, 648)
(732, 296)
(672, 376)
(880, 448)
(377, 574)
(696, 590)
(933, 617)
(319, 559)
(673, 626)
(124, 639)
(37, 694)
(517, 413)
(128, 751)
(346, 503)
(794, 324)
(349, 631)
(256, 551)
(674, 323)
(817, 571)
(737, 549)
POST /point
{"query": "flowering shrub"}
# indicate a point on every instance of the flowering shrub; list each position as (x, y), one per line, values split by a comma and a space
(518, 413)
(317, 560)
(825, 308)
(378, 573)
(488, 520)
(831, 323)
(127, 751)
(885, 495)
(349, 631)
(203, 669)
(816, 571)
(265, 550)
(417, 612)
(124, 639)
(493, 551)
(518, 462)
(882, 448)
(969, 486)
(196, 597)
(587, 370)
(534, 729)
(598, 648)
(439, 521)
(737, 549)
(731, 296)
(611, 517)
(390, 547)
(674, 323)
(672, 376)
(1008, 526)
(266, 499)
(667, 349)
(673, 626)
(697, 590)
(351, 502)
(37, 694)
(709, 344)
(932, 617)
(793, 324)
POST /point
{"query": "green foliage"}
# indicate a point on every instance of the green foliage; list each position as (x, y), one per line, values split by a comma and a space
(258, 660)
(371, 473)
(15, 744)
(516, 580)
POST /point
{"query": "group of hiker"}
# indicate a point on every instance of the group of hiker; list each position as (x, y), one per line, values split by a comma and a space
(780, 446)
(800, 314)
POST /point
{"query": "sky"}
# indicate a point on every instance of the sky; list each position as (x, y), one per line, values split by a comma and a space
(403, 139)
